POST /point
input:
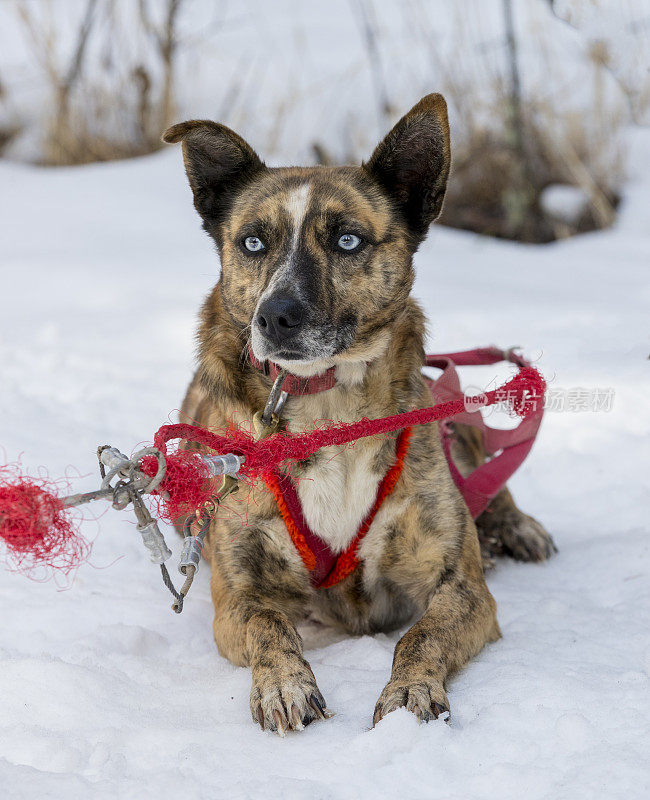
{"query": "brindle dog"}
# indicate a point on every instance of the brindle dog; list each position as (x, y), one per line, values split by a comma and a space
(316, 272)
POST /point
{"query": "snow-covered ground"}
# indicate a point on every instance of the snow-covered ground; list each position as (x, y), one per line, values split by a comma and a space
(104, 692)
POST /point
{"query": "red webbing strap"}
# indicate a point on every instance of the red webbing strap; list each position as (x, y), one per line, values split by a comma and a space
(293, 519)
(315, 553)
(512, 446)
(478, 357)
(348, 561)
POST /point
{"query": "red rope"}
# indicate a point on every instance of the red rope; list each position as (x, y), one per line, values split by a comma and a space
(36, 526)
(522, 393)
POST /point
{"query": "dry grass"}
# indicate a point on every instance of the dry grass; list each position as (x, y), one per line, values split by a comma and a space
(101, 126)
(509, 145)
(114, 93)
(117, 109)
(495, 190)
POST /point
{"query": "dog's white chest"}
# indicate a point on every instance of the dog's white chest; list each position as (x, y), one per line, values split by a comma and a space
(338, 492)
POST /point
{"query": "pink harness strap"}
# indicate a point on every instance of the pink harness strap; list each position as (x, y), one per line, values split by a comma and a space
(508, 448)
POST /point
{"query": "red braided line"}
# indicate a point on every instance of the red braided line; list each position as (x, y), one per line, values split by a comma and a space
(348, 561)
(522, 392)
(297, 538)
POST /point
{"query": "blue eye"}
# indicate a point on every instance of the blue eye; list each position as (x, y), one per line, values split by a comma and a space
(254, 244)
(349, 242)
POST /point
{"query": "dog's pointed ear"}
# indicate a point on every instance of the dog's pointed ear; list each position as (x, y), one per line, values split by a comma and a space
(412, 162)
(218, 163)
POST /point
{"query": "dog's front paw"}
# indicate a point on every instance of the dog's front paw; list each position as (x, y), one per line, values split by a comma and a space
(426, 699)
(286, 699)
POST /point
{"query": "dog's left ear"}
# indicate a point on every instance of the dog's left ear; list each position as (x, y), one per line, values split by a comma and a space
(412, 162)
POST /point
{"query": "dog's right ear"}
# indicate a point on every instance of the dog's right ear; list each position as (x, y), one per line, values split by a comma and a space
(218, 163)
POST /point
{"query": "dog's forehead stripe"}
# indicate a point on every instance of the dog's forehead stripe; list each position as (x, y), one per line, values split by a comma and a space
(352, 204)
(296, 206)
(293, 202)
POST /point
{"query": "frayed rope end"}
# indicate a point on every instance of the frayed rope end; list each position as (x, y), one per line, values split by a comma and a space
(36, 527)
(524, 393)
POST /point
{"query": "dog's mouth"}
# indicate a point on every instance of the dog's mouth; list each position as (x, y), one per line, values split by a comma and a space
(292, 355)
(306, 348)
(309, 348)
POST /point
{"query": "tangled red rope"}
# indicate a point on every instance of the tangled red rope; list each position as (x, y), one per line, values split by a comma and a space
(35, 525)
(188, 482)
(522, 393)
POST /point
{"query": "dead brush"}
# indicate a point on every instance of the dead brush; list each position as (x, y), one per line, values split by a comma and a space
(493, 192)
(515, 136)
(101, 125)
(101, 106)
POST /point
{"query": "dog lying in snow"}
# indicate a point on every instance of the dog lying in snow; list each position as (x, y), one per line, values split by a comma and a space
(317, 267)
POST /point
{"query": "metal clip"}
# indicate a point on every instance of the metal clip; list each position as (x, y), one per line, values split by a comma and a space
(228, 464)
(512, 355)
(112, 458)
(275, 403)
(152, 538)
(190, 554)
(154, 541)
(262, 428)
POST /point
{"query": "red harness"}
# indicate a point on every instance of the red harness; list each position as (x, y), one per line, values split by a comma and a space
(506, 449)
(326, 567)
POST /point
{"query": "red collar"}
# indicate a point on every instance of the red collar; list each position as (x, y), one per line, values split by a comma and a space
(294, 384)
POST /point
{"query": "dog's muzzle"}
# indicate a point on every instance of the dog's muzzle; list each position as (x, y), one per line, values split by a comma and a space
(285, 328)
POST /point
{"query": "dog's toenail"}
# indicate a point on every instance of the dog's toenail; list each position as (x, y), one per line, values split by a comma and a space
(316, 705)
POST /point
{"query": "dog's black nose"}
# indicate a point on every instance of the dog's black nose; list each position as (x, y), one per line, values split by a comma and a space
(280, 317)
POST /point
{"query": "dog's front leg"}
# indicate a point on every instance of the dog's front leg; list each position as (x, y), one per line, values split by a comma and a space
(249, 631)
(459, 619)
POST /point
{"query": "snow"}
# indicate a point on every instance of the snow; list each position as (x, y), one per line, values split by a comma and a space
(564, 202)
(104, 692)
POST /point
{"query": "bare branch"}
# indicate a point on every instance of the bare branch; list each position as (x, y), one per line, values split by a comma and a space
(41, 45)
(82, 40)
